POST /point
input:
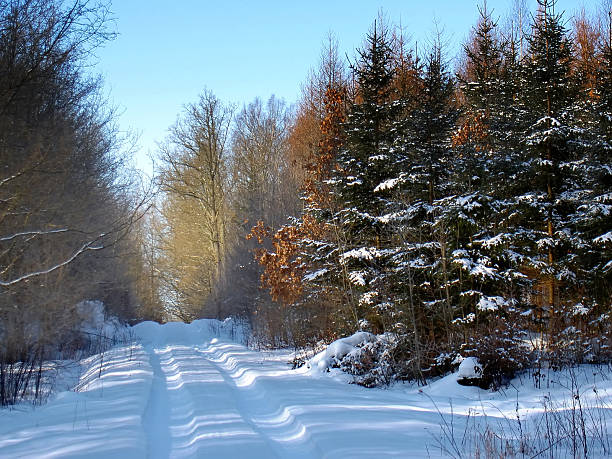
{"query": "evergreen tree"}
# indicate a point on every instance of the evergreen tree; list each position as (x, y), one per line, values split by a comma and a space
(592, 218)
(364, 163)
(555, 195)
(466, 218)
(480, 167)
(478, 209)
(420, 254)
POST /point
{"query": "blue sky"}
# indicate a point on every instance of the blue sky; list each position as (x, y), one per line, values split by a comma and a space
(168, 52)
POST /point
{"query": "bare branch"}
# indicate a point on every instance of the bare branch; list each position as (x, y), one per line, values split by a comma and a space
(84, 248)
(33, 233)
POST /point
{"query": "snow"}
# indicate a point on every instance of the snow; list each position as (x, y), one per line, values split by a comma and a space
(357, 278)
(386, 185)
(362, 253)
(391, 217)
(193, 390)
(580, 310)
(315, 275)
(368, 298)
(492, 303)
(607, 237)
(337, 350)
(352, 181)
(469, 368)
(494, 241)
(477, 269)
(471, 317)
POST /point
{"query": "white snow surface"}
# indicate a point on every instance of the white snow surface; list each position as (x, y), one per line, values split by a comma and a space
(386, 185)
(492, 303)
(194, 391)
(339, 349)
(469, 368)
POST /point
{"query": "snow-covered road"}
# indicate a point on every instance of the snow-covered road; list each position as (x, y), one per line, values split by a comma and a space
(180, 391)
(220, 399)
(201, 406)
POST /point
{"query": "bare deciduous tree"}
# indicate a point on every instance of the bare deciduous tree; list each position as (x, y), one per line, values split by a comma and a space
(65, 207)
(194, 178)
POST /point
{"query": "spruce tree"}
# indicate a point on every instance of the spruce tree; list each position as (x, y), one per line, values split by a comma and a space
(478, 208)
(592, 217)
(554, 187)
(363, 163)
(421, 253)
(480, 167)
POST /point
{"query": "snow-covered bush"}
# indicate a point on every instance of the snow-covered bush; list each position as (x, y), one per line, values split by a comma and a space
(371, 359)
(441, 363)
(94, 331)
(500, 354)
(469, 368)
(372, 363)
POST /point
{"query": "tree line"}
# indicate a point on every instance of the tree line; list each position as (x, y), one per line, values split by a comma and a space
(458, 211)
(464, 211)
(68, 202)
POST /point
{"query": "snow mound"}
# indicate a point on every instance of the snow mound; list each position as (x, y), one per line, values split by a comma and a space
(367, 358)
(96, 324)
(469, 368)
(338, 350)
(195, 333)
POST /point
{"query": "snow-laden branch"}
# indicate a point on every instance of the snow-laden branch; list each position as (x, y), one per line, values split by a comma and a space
(12, 177)
(23, 171)
(84, 248)
(33, 233)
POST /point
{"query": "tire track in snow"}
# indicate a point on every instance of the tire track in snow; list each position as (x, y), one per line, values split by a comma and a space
(182, 406)
(202, 416)
(156, 418)
(282, 429)
(243, 413)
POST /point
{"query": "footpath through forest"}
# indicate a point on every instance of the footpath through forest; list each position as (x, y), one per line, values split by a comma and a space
(190, 391)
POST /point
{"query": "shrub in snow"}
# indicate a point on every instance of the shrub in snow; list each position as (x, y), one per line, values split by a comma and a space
(470, 372)
(96, 330)
(371, 364)
(378, 360)
(336, 351)
(501, 354)
(365, 356)
(582, 335)
(441, 363)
